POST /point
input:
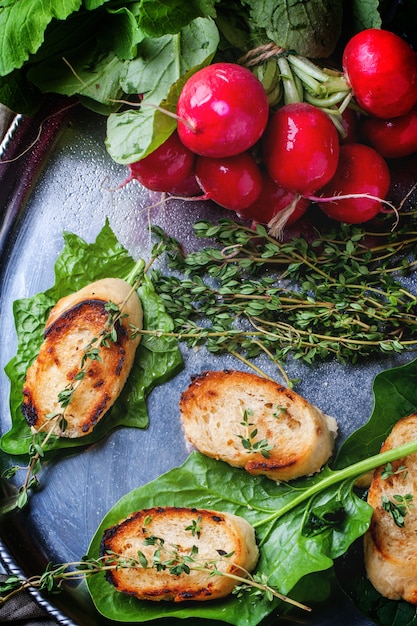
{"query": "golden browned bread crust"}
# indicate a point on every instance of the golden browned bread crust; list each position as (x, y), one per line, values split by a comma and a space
(299, 435)
(168, 534)
(72, 324)
(391, 549)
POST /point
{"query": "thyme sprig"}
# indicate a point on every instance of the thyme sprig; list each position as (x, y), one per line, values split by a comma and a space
(166, 557)
(340, 295)
(398, 507)
(249, 441)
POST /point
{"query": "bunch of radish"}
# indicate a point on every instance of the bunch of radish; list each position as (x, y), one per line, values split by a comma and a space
(268, 163)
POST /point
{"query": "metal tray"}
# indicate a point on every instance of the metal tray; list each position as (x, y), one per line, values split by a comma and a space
(57, 176)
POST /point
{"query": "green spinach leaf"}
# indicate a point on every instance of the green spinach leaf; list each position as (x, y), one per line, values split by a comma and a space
(301, 527)
(157, 359)
(394, 397)
(287, 554)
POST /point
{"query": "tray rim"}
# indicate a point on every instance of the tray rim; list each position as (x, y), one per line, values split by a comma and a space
(15, 141)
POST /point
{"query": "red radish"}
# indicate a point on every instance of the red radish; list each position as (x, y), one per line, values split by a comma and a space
(233, 182)
(222, 110)
(350, 122)
(187, 188)
(274, 200)
(382, 71)
(361, 172)
(392, 138)
(164, 168)
(301, 148)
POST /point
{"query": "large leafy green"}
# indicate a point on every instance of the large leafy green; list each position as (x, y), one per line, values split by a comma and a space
(301, 527)
(31, 29)
(157, 19)
(157, 358)
(205, 483)
(311, 28)
(23, 25)
(87, 60)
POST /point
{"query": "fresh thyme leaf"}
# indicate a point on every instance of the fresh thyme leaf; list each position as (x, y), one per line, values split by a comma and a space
(147, 520)
(195, 527)
(113, 334)
(93, 354)
(142, 559)
(279, 411)
(36, 448)
(248, 440)
(11, 471)
(254, 592)
(63, 423)
(22, 499)
(152, 541)
(388, 471)
(111, 307)
(397, 507)
(65, 396)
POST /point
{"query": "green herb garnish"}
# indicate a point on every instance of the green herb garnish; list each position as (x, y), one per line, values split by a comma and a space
(389, 471)
(398, 507)
(249, 441)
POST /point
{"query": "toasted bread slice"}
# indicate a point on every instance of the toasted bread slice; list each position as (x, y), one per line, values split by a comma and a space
(73, 323)
(391, 549)
(179, 537)
(284, 437)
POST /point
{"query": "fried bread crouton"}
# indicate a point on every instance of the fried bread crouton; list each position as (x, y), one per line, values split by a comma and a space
(390, 544)
(252, 422)
(74, 322)
(180, 538)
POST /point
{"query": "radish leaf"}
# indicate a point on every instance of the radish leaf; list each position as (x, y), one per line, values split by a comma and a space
(158, 73)
(22, 28)
(311, 28)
